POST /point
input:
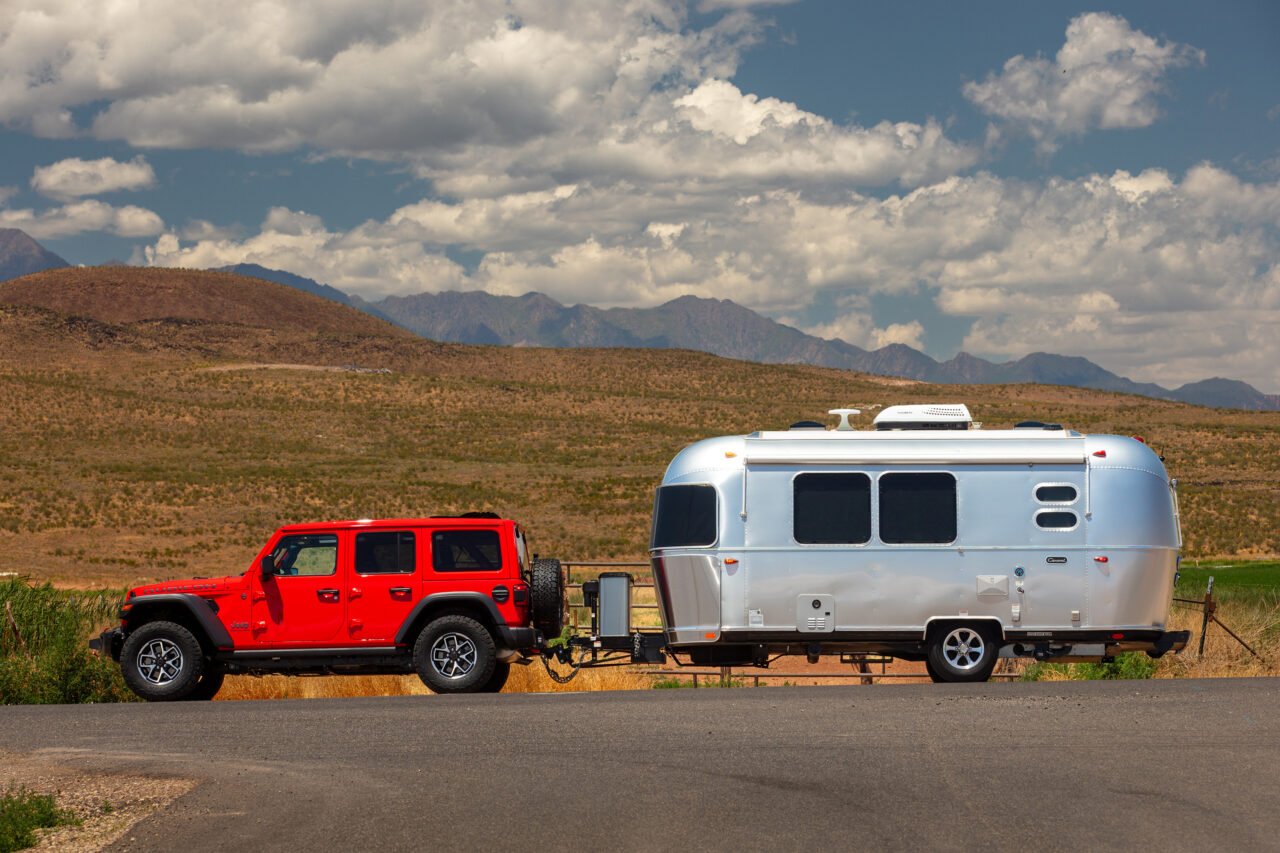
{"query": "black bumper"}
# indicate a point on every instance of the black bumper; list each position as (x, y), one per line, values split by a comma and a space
(1170, 641)
(109, 643)
(519, 639)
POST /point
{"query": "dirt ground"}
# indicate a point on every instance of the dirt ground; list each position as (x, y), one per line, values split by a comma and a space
(107, 805)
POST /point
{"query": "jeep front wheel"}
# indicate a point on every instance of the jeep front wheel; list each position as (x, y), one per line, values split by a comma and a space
(162, 662)
(455, 654)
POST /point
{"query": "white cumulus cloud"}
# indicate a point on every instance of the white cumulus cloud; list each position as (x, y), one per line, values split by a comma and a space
(84, 216)
(74, 178)
(1106, 75)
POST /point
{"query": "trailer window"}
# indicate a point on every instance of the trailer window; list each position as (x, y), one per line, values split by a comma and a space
(1056, 494)
(917, 509)
(385, 553)
(684, 516)
(1057, 520)
(832, 509)
(466, 551)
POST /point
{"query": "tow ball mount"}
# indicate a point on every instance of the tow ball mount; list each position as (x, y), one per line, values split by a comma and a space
(611, 641)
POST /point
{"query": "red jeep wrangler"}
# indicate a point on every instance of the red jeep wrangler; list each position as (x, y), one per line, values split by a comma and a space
(455, 599)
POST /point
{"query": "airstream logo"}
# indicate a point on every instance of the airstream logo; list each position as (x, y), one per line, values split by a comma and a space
(1055, 559)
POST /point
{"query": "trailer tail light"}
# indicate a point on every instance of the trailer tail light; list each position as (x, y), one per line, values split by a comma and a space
(1101, 454)
(1102, 559)
(1117, 636)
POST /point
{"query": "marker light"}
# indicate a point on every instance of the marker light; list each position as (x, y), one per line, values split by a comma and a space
(1101, 454)
(1101, 560)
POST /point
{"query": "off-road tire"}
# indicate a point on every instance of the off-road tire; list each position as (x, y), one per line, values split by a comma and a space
(455, 654)
(209, 685)
(546, 593)
(963, 652)
(162, 662)
(501, 671)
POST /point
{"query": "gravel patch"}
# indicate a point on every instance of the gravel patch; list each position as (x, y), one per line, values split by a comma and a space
(107, 804)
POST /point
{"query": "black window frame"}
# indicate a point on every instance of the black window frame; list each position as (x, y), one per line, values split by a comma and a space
(401, 545)
(807, 477)
(437, 552)
(892, 477)
(1057, 511)
(686, 541)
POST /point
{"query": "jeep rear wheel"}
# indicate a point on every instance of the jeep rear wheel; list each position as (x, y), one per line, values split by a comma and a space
(501, 671)
(162, 662)
(455, 654)
(546, 591)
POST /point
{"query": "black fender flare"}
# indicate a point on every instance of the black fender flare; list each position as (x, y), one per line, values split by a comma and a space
(198, 607)
(405, 636)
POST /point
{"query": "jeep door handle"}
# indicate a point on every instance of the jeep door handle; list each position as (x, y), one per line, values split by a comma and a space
(327, 594)
(401, 590)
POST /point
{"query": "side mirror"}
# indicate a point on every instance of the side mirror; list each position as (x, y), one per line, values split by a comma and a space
(268, 566)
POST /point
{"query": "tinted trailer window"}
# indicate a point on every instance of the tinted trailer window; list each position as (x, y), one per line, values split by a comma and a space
(832, 509)
(917, 509)
(684, 516)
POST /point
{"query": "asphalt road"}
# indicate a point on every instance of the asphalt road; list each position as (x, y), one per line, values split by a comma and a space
(1060, 766)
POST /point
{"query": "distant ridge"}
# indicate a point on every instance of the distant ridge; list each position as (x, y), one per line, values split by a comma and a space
(306, 285)
(21, 255)
(724, 328)
(120, 295)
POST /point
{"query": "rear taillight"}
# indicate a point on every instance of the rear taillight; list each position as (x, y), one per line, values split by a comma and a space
(521, 593)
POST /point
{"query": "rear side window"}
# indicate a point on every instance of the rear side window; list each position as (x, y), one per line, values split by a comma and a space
(1056, 494)
(832, 509)
(917, 509)
(466, 551)
(385, 553)
(684, 516)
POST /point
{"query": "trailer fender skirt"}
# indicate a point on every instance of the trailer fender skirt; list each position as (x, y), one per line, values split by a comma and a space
(1170, 641)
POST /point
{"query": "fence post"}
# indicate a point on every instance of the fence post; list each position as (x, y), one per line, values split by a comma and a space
(1209, 607)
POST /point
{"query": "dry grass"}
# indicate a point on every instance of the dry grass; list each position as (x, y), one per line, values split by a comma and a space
(524, 679)
(1259, 626)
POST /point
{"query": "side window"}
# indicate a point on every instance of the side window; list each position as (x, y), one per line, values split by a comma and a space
(917, 509)
(308, 554)
(1057, 519)
(385, 553)
(1056, 493)
(684, 517)
(466, 551)
(832, 509)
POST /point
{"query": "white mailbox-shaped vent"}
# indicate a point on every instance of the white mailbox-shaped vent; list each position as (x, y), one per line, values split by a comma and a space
(816, 614)
(993, 587)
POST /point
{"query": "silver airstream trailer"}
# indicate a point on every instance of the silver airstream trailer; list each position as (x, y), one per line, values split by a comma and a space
(924, 538)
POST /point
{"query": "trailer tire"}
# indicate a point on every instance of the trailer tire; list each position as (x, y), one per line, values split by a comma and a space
(162, 662)
(546, 593)
(501, 671)
(964, 652)
(455, 654)
(933, 673)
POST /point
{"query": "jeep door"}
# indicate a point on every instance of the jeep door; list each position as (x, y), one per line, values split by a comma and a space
(384, 585)
(301, 603)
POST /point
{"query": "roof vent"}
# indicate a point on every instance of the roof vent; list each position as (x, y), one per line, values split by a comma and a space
(806, 425)
(1037, 425)
(935, 416)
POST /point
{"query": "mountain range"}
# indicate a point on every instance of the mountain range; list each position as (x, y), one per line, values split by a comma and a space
(717, 326)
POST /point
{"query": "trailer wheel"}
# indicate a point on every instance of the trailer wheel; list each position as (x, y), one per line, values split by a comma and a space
(933, 673)
(499, 678)
(546, 592)
(161, 662)
(455, 654)
(962, 653)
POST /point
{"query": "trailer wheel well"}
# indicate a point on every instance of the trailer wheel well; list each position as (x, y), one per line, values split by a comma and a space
(935, 627)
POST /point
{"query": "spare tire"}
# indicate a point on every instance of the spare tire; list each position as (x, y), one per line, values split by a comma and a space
(546, 593)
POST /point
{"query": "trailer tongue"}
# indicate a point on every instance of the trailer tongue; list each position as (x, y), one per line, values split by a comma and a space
(611, 641)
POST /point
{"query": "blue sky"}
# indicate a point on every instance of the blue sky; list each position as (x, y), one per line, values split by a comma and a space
(999, 177)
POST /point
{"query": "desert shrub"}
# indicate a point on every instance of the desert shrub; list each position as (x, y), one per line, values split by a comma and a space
(44, 658)
(22, 812)
(1127, 666)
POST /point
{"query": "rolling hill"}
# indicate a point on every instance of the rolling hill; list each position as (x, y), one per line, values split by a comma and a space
(142, 441)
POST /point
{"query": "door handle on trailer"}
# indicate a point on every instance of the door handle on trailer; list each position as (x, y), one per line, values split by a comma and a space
(401, 590)
(327, 594)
